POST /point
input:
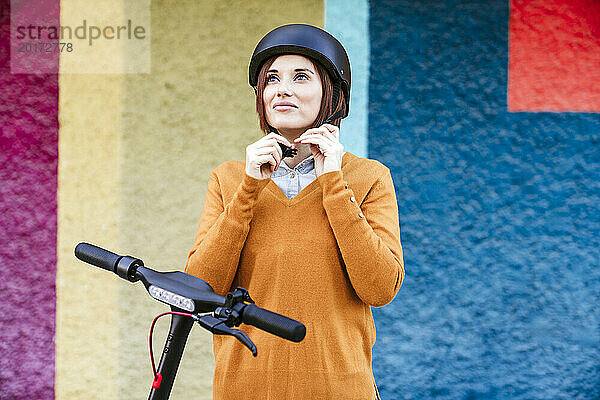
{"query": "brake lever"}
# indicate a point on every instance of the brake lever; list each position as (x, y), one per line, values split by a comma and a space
(218, 327)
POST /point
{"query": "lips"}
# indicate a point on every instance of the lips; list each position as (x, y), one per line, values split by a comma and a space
(284, 105)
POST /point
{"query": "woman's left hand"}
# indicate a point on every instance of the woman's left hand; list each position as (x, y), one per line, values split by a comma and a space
(325, 146)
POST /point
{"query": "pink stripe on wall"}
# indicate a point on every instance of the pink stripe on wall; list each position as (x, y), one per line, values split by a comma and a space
(28, 185)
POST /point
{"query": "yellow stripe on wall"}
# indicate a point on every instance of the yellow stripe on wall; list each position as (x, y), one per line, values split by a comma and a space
(88, 210)
(90, 118)
(136, 151)
(88, 188)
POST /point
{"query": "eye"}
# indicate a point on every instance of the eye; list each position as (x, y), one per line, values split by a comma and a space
(271, 78)
(302, 75)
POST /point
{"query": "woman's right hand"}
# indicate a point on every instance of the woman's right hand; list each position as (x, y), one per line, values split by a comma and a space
(264, 156)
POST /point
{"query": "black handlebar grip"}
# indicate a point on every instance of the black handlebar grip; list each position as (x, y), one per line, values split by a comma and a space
(274, 323)
(97, 256)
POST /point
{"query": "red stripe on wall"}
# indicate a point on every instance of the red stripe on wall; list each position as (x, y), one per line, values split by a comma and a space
(554, 55)
(28, 204)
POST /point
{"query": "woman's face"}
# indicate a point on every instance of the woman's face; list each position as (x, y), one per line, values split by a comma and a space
(292, 95)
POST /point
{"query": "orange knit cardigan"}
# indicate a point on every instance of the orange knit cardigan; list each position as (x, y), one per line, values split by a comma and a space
(322, 257)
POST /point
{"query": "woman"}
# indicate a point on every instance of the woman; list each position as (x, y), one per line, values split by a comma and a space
(314, 236)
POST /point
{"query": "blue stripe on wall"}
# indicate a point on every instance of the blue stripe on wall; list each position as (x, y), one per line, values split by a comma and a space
(348, 20)
(500, 215)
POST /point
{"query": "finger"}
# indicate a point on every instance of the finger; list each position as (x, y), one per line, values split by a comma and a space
(317, 138)
(267, 158)
(279, 138)
(279, 153)
(314, 150)
(333, 129)
(275, 144)
(330, 127)
(332, 136)
(324, 144)
(312, 131)
(270, 144)
(274, 150)
(319, 142)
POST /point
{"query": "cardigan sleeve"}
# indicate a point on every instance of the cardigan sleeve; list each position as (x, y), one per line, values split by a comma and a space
(222, 232)
(368, 236)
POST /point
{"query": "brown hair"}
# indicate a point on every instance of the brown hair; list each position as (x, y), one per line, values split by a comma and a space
(327, 106)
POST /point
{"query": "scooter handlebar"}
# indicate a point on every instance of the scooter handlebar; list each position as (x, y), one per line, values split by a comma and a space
(97, 256)
(273, 323)
(261, 318)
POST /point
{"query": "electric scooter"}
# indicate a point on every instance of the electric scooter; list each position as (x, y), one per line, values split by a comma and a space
(191, 300)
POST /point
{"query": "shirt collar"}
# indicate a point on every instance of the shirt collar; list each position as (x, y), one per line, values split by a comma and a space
(304, 167)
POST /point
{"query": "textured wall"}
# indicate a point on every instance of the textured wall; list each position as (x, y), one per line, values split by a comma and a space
(28, 174)
(136, 154)
(554, 55)
(500, 215)
(499, 211)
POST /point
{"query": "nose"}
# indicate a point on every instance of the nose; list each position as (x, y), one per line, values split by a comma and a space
(284, 89)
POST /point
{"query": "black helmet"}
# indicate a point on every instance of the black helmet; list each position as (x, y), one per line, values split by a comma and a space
(309, 41)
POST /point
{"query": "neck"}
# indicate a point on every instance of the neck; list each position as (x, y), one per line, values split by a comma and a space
(291, 134)
(303, 153)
